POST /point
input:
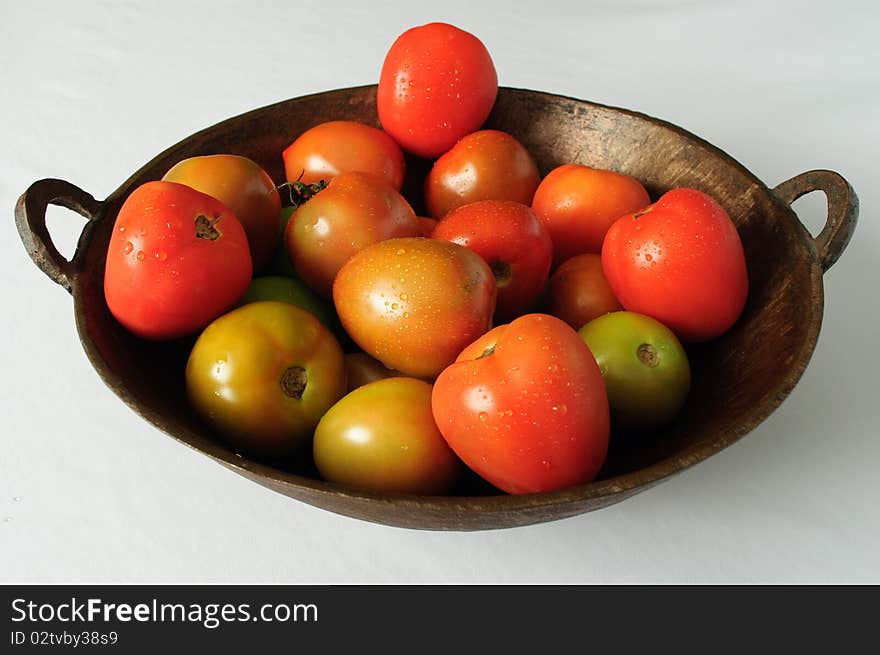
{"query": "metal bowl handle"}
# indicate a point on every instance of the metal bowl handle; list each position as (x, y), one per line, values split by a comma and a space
(30, 219)
(843, 210)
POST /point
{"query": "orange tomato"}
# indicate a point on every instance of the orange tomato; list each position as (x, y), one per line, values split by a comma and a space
(579, 291)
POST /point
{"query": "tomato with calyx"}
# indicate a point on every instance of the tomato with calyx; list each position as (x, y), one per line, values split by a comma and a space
(353, 212)
(176, 260)
(243, 186)
(525, 407)
(330, 149)
(437, 84)
(485, 165)
(681, 262)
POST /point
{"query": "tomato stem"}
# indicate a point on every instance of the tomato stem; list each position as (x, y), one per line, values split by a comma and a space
(294, 381)
(299, 192)
(205, 227)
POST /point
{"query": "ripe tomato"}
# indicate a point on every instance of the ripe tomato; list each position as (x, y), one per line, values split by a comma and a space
(578, 204)
(354, 211)
(382, 437)
(514, 243)
(263, 375)
(485, 165)
(645, 369)
(681, 262)
(438, 83)
(413, 304)
(177, 259)
(579, 291)
(525, 407)
(244, 187)
(330, 149)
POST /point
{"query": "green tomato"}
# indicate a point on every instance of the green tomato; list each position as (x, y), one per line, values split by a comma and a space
(382, 437)
(293, 292)
(263, 375)
(645, 368)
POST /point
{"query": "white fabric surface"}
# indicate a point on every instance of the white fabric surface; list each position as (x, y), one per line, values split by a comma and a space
(89, 492)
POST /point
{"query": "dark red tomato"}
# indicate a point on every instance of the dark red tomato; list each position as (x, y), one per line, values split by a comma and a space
(525, 407)
(679, 261)
(438, 83)
(337, 147)
(243, 186)
(353, 212)
(485, 165)
(514, 243)
(177, 259)
(579, 292)
(578, 204)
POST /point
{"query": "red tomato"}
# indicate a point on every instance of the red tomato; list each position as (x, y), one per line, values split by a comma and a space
(244, 187)
(337, 147)
(578, 204)
(525, 407)
(438, 83)
(485, 165)
(681, 262)
(514, 243)
(177, 259)
(579, 291)
(354, 211)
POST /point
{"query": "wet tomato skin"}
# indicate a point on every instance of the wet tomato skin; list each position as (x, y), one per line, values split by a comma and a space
(525, 407)
(353, 212)
(645, 368)
(382, 437)
(681, 262)
(243, 186)
(512, 241)
(415, 303)
(176, 260)
(335, 147)
(263, 375)
(484, 165)
(579, 291)
(437, 84)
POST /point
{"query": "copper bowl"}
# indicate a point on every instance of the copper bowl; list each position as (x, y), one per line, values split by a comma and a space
(738, 379)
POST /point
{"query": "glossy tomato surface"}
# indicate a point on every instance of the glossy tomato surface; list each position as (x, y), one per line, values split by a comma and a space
(645, 368)
(577, 205)
(263, 375)
(414, 304)
(681, 262)
(330, 149)
(243, 186)
(485, 165)
(437, 84)
(353, 212)
(512, 241)
(579, 292)
(382, 437)
(525, 407)
(177, 259)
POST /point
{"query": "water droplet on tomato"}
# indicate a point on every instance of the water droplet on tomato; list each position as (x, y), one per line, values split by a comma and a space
(140, 255)
(483, 416)
(128, 247)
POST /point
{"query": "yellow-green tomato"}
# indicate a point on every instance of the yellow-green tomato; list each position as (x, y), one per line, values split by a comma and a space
(645, 368)
(263, 375)
(292, 291)
(382, 437)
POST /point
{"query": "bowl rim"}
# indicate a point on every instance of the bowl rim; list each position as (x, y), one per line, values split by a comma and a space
(618, 485)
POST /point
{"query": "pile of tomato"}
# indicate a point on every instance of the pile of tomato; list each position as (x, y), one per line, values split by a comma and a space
(514, 330)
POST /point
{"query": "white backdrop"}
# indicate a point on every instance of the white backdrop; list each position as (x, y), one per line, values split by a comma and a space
(89, 492)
